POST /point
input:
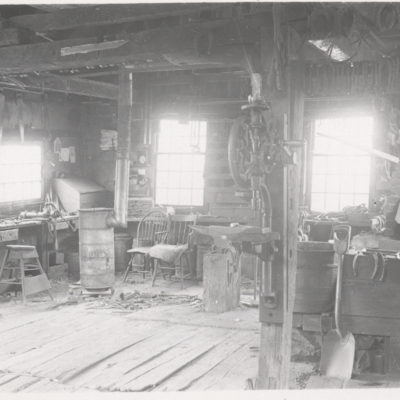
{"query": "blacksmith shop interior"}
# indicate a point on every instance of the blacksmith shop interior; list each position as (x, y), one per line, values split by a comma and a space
(199, 196)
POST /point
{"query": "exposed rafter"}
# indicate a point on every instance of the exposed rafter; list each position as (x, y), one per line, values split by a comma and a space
(83, 87)
(77, 86)
(147, 45)
(107, 14)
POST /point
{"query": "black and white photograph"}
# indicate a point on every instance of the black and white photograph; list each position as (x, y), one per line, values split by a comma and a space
(200, 197)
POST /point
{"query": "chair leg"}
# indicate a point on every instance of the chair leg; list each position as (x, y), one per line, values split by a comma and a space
(191, 268)
(181, 268)
(146, 265)
(22, 268)
(128, 268)
(151, 268)
(154, 272)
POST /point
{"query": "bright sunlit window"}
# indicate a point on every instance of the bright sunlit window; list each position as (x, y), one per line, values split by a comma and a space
(341, 173)
(180, 163)
(20, 172)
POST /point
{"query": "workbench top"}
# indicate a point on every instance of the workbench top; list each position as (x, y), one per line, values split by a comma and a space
(14, 224)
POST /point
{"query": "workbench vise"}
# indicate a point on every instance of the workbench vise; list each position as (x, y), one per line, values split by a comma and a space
(49, 214)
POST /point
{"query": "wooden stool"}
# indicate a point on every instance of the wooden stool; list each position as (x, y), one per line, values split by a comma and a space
(15, 260)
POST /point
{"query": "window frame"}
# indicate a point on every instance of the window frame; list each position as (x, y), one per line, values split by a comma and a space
(16, 203)
(157, 153)
(310, 151)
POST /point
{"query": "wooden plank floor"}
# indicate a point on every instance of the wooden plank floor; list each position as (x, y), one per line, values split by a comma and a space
(73, 349)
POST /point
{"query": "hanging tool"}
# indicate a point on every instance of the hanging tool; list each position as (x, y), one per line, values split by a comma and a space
(380, 260)
(338, 348)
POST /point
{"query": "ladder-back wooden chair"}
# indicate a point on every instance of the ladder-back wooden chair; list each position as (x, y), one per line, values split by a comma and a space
(176, 247)
(152, 229)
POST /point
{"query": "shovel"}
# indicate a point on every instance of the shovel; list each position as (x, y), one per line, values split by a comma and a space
(338, 348)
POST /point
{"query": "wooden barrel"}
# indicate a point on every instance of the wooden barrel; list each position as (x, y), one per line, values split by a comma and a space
(315, 278)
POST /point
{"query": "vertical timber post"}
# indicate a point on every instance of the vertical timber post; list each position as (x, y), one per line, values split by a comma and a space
(283, 184)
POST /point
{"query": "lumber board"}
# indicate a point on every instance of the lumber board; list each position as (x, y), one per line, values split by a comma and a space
(149, 44)
(4, 378)
(160, 359)
(15, 338)
(19, 384)
(93, 350)
(24, 362)
(16, 321)
(46, 385)
(194, 372)
(230, 369)
(174, 360)
(45, 337)
(181, 315)
(106, 373)
(105, 14)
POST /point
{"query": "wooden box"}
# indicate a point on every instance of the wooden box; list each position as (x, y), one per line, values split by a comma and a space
(315, 277)
(364, 296)
(80, 193)
(55, 258)
(58, 271)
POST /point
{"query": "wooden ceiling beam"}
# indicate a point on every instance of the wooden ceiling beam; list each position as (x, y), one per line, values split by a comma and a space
(107, 14)
(191, 79)
(147, 45)
(83, 87)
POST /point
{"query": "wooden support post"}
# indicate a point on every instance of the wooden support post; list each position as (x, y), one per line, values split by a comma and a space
(283, 183)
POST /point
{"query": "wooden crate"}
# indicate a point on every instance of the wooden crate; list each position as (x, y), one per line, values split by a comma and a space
(315, 278)
(79, 193)
(363, 296)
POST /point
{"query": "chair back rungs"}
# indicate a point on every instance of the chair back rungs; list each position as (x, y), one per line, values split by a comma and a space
(179, 230)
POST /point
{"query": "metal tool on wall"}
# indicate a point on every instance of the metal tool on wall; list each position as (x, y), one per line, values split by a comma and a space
(338, 348)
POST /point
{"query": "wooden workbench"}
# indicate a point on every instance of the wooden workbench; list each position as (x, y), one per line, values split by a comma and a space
(40, 231)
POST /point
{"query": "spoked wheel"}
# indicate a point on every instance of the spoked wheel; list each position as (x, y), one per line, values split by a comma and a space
(239, 151)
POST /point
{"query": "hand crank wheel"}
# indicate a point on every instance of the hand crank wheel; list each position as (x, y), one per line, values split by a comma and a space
(239, 151)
